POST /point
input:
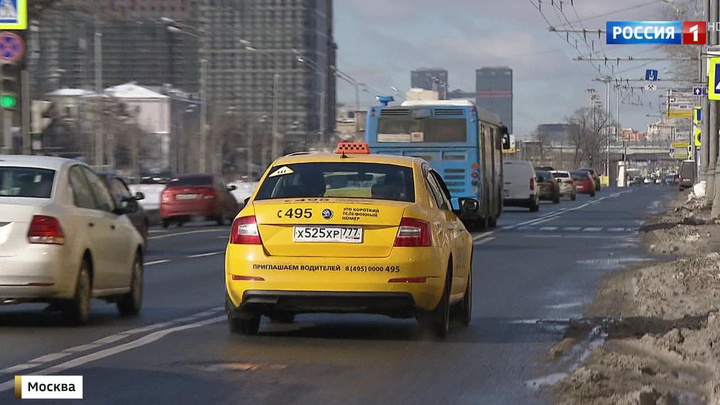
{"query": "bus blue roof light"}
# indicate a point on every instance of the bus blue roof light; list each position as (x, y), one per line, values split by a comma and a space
(385, 100)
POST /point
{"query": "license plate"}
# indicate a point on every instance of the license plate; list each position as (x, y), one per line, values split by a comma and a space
(186, 197)
(328, 234)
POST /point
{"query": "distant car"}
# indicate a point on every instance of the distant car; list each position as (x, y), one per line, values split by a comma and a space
(595, 177)
(192, 196)
(688, 172)
(120, 190)
(544, 169)
(648, 180)
(64, 240)
(658, 181)
(584, 183)
(549, 187)
(520, 188)
(566, 183)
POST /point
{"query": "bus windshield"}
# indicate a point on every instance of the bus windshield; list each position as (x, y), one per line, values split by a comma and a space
(405, 129)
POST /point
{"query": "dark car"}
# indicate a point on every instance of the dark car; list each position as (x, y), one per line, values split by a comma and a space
(549, 187)
(120, 191)
(191, 196)
(688, 172)
(594, 176)
(544, 169)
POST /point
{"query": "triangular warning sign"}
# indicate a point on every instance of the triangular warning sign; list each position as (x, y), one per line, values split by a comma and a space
(8, 10)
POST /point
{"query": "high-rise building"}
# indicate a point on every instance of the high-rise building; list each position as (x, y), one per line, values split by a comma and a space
(430, 79)
(248, 42)
(245, 42)
(494, 87)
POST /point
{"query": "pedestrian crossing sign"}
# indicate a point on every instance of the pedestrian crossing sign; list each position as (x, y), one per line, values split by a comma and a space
(13, 14)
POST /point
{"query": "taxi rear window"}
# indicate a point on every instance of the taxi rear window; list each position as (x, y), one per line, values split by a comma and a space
(341, 180)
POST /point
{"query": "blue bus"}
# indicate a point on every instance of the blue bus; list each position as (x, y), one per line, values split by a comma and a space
(460, 141)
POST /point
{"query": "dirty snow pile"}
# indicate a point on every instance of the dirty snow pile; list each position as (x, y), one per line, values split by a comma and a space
(663, 344)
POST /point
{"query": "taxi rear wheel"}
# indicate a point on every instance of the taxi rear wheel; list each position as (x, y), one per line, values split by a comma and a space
(438, 321)
(466, 303)
(249, 326)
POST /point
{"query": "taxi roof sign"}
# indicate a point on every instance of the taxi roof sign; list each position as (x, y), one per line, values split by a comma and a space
(13, 15)
(352, 148)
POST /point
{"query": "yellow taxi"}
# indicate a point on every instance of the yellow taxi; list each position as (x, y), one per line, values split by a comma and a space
(349, 232)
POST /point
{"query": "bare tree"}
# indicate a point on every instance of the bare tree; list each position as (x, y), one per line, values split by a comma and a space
(587, 135)
(684, 10)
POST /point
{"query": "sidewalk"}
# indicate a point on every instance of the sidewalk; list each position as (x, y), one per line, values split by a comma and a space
(656, 326)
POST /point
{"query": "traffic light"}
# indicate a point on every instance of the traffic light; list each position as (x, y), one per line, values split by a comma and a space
(10, 91)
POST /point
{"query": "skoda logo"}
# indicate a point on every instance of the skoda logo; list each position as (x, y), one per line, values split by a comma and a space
(327, 213)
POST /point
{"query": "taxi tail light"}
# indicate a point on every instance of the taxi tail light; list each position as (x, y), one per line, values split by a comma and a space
(45, 230)
(246, 278)
(414, 280)
(413, 233)
(245, 232)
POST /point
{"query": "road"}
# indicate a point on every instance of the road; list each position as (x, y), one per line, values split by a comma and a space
(533, 268)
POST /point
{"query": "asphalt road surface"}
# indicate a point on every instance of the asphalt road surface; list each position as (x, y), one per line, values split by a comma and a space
(532, 273)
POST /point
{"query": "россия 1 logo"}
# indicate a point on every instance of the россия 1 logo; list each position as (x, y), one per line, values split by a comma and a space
(656, 32)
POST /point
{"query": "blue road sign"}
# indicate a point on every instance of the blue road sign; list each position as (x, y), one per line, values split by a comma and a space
(714, 82)
(698, 91)
(651, 75)
(12, 47)
(13, 14)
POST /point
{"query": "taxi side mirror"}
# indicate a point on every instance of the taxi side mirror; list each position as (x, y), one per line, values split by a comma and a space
(468, 206)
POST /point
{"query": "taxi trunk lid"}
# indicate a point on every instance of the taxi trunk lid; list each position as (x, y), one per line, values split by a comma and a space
(378, 223)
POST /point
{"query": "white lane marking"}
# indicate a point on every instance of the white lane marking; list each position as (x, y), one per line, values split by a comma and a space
(19, 367)
(49, 357)
(577, 236)
(484, 241)
(187, 233)
(82, 348)
(616, 229)
(549, 228)
(565, 306)
(38, 362)
(592, 229)
(572, 228)
(482, 235)
(156, 262)
(143, 341)
(205, 254)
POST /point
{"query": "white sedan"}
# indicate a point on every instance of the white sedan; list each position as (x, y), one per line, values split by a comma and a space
(63, 239)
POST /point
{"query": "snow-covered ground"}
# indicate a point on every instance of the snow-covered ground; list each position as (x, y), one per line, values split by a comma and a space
(152, 193)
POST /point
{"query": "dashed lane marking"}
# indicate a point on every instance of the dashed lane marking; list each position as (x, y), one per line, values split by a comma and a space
(549, 228)
(143, 341)
(206, 254)
(157, 262)
(98, 344)
(484, 241)
(170, 235)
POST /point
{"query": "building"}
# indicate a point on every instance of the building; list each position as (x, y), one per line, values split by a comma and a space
(245, 43)
(430, 79)
(293, 39)
(494, 86)
(553, 134)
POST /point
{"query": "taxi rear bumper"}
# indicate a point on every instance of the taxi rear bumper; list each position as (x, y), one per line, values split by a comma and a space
(394, 304)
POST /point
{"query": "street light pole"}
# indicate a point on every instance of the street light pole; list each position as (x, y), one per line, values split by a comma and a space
(712, 143)
(99, 136)
(202, 163)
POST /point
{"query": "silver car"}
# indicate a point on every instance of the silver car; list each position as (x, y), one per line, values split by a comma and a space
(64, 240)
(566, 183)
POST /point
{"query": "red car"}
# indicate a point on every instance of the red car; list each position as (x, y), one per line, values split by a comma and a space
(192, 196)
(584, 183)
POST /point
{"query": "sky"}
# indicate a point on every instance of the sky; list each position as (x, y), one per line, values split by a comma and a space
(381, 41)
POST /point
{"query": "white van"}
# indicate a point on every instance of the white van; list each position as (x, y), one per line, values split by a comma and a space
(520, 189)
